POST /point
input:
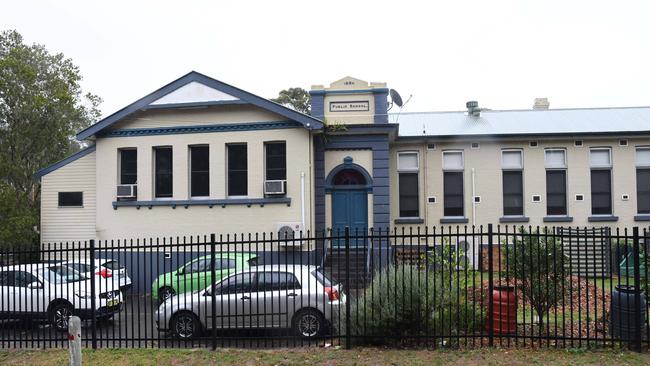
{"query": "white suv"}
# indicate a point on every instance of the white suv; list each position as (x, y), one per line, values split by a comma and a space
(53, 292)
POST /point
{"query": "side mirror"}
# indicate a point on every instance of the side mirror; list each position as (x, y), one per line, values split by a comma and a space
(35, 286)
(180, 272)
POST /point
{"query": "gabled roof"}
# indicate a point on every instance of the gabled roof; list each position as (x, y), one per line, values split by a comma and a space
(196, 89)
(78, 155)
(504, 123)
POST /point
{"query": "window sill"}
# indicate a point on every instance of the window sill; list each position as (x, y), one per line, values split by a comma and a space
(642, 217)
(409, 220)
(558, 219)
(208, 202)
(604, 218)
(454, 220)
(514, 219)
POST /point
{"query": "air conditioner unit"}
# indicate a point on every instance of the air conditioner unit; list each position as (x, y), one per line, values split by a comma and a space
(127, 191)
(469, 251)
(289, 234)
(273, 187)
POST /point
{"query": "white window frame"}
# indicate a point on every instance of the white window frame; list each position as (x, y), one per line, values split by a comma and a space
(462, 160)
(636, 156)
(611, 178)
(415, 170)
(523, 185)
(521, 153)
(609, 151)
(546, 164)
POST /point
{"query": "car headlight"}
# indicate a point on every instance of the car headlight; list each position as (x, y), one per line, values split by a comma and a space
(83, 295)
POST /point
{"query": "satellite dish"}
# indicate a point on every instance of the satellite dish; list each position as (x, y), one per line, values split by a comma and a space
(396, 98)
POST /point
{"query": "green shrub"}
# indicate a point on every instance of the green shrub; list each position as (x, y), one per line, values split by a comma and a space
(404, 302)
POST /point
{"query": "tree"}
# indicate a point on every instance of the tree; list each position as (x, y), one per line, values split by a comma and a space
(41, 107)
(537, 263)
(295, 98)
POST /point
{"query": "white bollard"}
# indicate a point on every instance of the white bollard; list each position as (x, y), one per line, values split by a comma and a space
(74, 340)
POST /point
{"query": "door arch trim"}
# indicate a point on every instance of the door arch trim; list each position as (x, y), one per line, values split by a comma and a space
(348, 165)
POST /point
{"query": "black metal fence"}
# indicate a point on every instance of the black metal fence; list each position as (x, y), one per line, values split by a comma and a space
(422, 287)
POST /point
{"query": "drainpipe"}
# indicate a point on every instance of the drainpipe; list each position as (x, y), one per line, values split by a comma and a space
(302, 200)
(473, 195)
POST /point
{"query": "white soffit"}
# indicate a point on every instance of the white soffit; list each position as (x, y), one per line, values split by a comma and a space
(194, 92)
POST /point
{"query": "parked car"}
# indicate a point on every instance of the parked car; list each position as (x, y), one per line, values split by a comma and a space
(302, 298)
(197, 274)
(107, 270)
(53, 292)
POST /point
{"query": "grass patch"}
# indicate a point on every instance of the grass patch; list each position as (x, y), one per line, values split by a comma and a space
(329, 356)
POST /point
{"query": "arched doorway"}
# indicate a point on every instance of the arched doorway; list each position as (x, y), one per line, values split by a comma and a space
(349, 185)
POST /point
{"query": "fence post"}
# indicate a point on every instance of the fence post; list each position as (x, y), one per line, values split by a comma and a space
(93, 303)
(637, 294)
(213, 302)
(348, 323)
(490, 287)
(74, 340)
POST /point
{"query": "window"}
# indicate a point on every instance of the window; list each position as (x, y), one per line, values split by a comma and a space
(513, 187)
(240, 283)
(71, 199)
(601, 181)
(276, 160)
(555, 162)
(452, 165)
(643, 180)
(276, 281)
(237, 170)
(163, 179)
(408, 172)
(199, 171)
(128, 166)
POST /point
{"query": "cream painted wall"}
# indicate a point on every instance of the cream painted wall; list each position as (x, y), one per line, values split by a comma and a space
(62, 224)
(199, 116)
(130, 222)
(334, 158)
(486, 161)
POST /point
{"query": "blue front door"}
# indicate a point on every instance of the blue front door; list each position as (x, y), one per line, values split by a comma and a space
(350, 209)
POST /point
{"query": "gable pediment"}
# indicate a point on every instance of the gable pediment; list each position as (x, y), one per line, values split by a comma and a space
(194, 92)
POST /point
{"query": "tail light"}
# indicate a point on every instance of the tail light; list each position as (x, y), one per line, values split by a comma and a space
(332, 293)
(105, 273)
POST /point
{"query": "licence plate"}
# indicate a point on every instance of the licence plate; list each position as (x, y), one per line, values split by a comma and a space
(112, 303)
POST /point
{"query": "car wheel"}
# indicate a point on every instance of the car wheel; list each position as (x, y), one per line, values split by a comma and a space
(60, 316)
(185, 325)
(308, 323)
(165, 293)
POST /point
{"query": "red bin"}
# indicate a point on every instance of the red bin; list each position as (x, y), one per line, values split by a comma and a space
(504, 310)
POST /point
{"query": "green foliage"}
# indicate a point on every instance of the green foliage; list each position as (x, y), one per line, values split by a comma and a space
(404, 301)
(537, 262)
(41, 107)
(296, 99)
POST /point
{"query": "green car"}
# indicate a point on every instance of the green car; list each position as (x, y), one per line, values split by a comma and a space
(196, 274)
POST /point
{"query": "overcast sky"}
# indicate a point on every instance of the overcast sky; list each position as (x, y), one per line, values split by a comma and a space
(501, 53)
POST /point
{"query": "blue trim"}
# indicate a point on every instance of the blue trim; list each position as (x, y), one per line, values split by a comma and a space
(223, 202)
(347, 164)
(558, 219)
(318, 106)
(78, 155)
(514, 219)
(194, 104)
(381, 107)
(642, 217)
(324, 92)
(606, 218)
(309, 122)
(409, 220)
(225, 127)
(454, 220)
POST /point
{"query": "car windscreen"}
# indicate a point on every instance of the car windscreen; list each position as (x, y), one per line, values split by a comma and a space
(61, 275)
(113, 265)
(324, 278)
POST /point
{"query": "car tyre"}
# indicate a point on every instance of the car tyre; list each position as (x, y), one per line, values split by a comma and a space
(165, 293)
(309, 323)
(185, 325)
(59, 315)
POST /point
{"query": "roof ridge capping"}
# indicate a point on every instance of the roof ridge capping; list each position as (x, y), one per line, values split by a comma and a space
(307, 121)
(488, 110)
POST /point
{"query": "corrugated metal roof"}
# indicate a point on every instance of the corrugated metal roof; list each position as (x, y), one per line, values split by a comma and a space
(524, 122)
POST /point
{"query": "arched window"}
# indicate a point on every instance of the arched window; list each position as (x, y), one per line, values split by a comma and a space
(349, 177)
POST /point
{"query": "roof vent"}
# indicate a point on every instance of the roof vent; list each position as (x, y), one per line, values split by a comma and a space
(541, 104)
(473, 109)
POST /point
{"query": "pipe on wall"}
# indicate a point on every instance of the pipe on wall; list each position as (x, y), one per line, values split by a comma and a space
(302, 200)
(473, 195)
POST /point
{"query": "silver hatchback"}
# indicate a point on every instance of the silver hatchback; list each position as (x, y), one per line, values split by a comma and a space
(302, 298)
